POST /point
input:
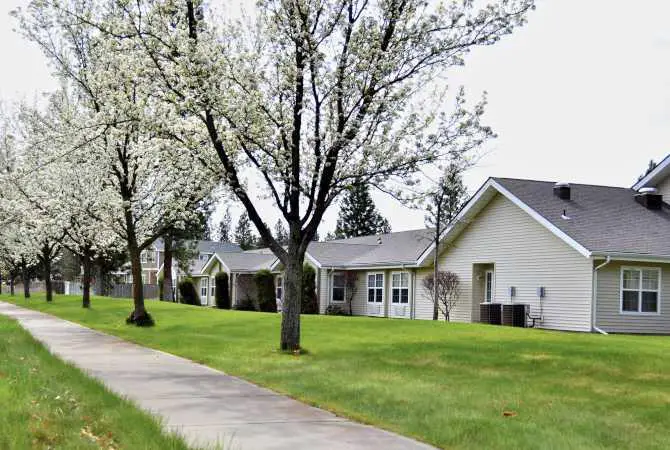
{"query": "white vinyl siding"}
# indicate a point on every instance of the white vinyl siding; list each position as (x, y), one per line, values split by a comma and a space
(608, 302)
(664, 188)
(525, 255)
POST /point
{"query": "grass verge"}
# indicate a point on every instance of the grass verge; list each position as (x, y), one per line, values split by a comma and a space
(48, 404)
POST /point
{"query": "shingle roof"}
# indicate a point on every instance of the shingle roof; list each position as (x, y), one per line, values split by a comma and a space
(603, 219)
(246, 261)
(399, 248)
(206, 246)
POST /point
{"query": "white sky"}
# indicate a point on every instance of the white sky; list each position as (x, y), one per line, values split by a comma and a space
(580, 94)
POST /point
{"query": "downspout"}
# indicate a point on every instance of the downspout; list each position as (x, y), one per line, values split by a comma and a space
(594, 303)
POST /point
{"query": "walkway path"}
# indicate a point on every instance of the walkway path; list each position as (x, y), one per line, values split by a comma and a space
(206, 406)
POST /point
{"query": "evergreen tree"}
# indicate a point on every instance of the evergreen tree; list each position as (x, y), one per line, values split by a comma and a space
(243, 234)
(225, 227)
(358, 215)
(444, 204)
(281, 235)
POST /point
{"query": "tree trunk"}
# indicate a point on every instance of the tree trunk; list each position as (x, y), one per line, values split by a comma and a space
(167, 269)
(436, 260)
(139, 316)
(46, 263)
(11, 285)
(290, 323)
(86, 281)
(26, 280)
(0, 284)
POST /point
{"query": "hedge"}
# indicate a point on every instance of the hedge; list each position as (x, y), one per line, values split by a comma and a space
(188, 293)
(310, 303)
(265, 289)
(222, 294)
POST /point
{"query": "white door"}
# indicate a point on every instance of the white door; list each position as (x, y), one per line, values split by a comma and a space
(488, 287)
(400, 306)
(376, 294)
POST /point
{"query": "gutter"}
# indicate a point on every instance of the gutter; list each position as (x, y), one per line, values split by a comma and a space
(594, 301)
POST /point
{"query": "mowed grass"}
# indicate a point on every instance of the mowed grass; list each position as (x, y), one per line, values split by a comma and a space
(451, 385)
(47, 404)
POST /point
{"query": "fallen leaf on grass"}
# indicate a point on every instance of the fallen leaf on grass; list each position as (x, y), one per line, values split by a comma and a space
(509, 413)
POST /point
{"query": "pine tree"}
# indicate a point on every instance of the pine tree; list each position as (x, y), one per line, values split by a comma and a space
(225, 227)
(445, 203)
(358, 215)
(243, 234)
(281, 235)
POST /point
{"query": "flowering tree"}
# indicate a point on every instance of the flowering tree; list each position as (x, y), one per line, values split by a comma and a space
(308, 97)
(150, 178)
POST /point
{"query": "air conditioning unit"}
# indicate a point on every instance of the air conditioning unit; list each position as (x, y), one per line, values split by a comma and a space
(515, 315)
(490, 313)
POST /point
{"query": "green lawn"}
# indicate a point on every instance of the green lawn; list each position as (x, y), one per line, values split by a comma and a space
(47, 404)
(452, 385)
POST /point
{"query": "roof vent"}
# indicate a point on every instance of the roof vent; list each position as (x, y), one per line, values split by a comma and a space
(649, 198)
(379, 240)
(562, 190)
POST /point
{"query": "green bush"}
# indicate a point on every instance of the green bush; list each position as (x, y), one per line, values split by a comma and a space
(222, 295)
(245, 304)
(310, 302)
(188, 293)
(265, 288)
(336, 310)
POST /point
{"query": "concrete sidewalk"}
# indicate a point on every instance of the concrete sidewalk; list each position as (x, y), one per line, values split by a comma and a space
(206, 406)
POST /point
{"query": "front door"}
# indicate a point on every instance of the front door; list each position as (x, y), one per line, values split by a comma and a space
(488, 287)
(400, 295)
(376, 294)
(203, 290)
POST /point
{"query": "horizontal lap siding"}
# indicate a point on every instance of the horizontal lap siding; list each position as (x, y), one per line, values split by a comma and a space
(526, 255)
(608, 316)
(664, 188)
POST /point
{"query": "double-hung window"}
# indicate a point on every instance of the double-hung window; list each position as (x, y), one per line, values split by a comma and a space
(640, 290)
(400, 288)
(339, 287)
(376, 288)
(279, 288)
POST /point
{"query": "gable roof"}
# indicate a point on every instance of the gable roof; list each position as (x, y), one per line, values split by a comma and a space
(659, 173)
(241, 262)
(603, 219)
(204, 246)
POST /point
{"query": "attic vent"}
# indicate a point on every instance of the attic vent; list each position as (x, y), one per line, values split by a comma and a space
(379, 240)
(649, 198)
(562, 190)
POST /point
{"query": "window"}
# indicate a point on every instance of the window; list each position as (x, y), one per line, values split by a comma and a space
(400, 287)
(203, 289)
(339, 287)
(279, 288)
(147, 256)
(212, 290)
(376, 288)
(640, 290)
(204, 256)
(488, 293)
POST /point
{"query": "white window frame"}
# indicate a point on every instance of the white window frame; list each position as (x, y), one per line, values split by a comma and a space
(382, 288)
(204, 288)
(279, 284)
(401, 288)
(639, 311)
(344, 287)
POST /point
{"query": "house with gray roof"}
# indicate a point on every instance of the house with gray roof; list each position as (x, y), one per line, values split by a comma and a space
(574, 257)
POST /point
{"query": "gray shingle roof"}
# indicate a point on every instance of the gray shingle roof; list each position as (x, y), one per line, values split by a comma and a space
(399, 248)
(246, 261)
(206, 246)
(603, 219)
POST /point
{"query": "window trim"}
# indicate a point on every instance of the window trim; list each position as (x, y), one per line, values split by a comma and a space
(409, 286)
(639, 290)
(279, 284)
(332, 287)
(493, 285)
(368, 287)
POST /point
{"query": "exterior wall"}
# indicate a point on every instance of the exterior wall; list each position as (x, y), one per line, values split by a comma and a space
(664, 189)
(524, 255)
(608, 302)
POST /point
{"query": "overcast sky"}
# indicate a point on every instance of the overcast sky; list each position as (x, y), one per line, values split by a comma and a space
(580, 94)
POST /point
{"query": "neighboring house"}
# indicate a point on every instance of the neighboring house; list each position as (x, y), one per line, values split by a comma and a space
(203, 252)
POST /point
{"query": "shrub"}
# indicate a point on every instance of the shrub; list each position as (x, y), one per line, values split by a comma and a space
(188, 293)
(310, 302)
(336, 310)
(222, 295)
(245, 304)
(265, 288)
